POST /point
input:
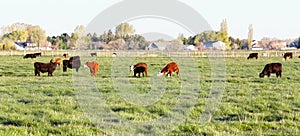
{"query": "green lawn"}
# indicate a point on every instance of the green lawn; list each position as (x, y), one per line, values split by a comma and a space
(115, 103)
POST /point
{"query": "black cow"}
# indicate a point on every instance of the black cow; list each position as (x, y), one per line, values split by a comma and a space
(44, 67)
(287, 55)
(29, 56)
(94, 54)
(38, 54)
(253, 55)
(271, 68)
(73, 62)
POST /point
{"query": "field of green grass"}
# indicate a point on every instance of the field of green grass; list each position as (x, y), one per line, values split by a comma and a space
(115, 103)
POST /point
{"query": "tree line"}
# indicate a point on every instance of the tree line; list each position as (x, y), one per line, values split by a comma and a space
(124, 38)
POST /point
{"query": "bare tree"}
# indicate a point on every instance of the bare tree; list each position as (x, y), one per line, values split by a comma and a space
(250, 37)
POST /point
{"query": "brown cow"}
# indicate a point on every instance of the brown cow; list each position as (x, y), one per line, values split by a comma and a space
(94, 67)
(58, 60)
(287, 55)
(271, 68)
(73, 62)
(139, 68)
(66, 55)
(169, 69)
(44, 67)
(29, 56)
(253, 55)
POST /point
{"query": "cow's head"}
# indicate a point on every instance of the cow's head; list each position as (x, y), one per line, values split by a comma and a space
(159, 73)
(131, 67)
(261, 75)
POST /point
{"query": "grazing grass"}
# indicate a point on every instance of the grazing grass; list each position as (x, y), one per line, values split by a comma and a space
(250, 105)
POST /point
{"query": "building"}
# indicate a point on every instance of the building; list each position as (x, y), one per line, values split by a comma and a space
(216, 45)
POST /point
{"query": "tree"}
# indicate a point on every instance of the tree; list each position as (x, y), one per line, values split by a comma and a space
(37, 35)
(18, 35)
(250, 37)
(124, 29)
(224, 26)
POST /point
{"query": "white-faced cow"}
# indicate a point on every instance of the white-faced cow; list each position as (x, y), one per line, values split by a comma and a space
(271, 68)
(44, 67)
(169, 69)
(139, 68)
(287, 55)
(253, 55)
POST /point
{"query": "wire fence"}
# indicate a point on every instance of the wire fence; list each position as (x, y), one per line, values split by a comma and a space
(144, 53)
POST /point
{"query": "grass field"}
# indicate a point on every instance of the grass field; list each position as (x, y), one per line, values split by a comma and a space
(63, 104)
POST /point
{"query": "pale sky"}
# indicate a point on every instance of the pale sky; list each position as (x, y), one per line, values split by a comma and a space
(270, 18)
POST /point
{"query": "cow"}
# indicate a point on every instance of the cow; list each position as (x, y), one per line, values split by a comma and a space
(66, 55)
(114, 54)
(287, 55)
(94, 54)
(271, 68)
(44, 67)
(169, 69)
(253, 55)
(139, 68)
(73, 62)
(58, 61)
(38, 54)
(93, 66)
(29, 56)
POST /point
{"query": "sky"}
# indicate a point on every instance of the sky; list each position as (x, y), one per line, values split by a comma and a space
(270, 18)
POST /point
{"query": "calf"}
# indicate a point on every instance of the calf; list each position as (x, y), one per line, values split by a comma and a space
(139, 68)
(287, 55)
(73, 62)
(58, 60)
(29, 56)
(93, 66)
(271, 68)
(94, 54)
(253, 55)
(44, 67)
(169, 69)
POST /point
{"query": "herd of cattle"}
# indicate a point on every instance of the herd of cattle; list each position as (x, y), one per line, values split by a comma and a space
(139, 68)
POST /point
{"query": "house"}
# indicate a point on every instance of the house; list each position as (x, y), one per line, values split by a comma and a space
(215, 45)
(20, 45)
(190, 47)
(158, 46)
(31, 46)
(165, 45)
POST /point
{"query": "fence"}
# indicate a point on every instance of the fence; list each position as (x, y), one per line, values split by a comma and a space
(206, 53)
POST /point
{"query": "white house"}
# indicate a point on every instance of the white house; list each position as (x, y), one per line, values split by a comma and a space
(215, 45)
(189, 47)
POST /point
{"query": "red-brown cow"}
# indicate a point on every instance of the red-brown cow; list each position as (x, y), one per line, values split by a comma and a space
(66, 55)
(271, 68)
(44, 67)
(94, 67)
(139, 68)
(169, 69)
(287, 55)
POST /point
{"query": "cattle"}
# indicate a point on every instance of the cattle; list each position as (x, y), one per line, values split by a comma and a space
(66, 55)
(58, 60)
(29, 56)
(287, 55)
(139, 68)
(94, 54)
(44, 67)
(253, 55)
(93, 66)
(169, 69)
(73, 62)
(271, 68)
(38, 54)
(114, 54)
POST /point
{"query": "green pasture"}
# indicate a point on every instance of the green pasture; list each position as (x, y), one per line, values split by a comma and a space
(250, 105)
